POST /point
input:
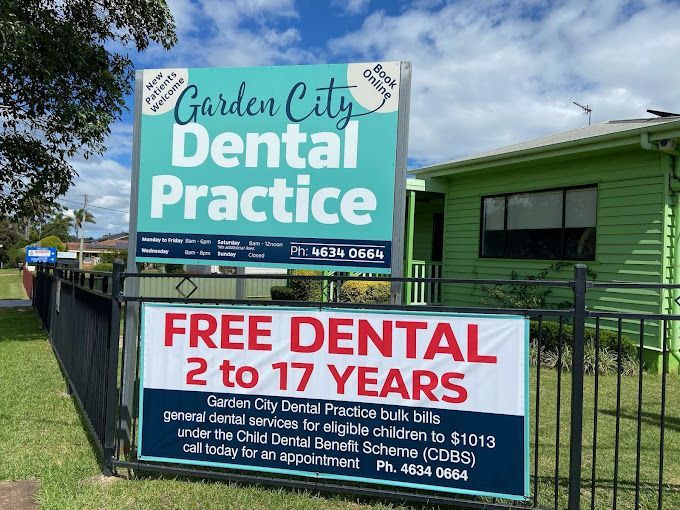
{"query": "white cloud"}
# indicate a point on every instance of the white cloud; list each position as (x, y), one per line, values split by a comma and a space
(107, 185)
(352, 6)
(236, 33)
(487, 77)
(183, 14)
(119, 141)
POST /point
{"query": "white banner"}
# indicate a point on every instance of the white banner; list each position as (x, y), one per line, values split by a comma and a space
(454, 362)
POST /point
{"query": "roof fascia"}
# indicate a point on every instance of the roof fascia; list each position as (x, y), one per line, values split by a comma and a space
(525, 157)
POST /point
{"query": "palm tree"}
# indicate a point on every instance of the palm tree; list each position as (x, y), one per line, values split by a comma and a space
(80, 217)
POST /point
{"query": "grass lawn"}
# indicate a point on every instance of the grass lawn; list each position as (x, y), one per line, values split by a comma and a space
(11, 286)
(606, 435)
(41, 437)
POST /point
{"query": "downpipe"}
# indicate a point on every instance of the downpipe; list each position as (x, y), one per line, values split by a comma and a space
(674, 187)
(675, 193)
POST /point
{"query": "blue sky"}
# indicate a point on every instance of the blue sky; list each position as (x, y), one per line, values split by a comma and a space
(486, 73)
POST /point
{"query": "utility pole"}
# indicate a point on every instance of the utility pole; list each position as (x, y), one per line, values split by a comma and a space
(82, 230)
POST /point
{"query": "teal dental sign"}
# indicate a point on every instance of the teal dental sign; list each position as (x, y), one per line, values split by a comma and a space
(269, 166)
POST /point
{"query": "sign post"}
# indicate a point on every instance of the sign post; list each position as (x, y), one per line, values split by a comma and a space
(41, 254)
(131, 287)
(400, 183)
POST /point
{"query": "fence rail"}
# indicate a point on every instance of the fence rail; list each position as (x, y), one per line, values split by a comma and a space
(599, 426)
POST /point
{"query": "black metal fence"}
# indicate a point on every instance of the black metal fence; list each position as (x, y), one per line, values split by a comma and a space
(81, 312)
(603, 432)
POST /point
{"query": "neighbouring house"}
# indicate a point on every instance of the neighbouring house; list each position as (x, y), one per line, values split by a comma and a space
(605, 195)
(117, 241)
(92, 251)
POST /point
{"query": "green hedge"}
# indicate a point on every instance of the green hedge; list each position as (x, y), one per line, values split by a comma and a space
(174, 268)
(103, 266)
(608, 339)
(306, 290)
(355, 291)
(280, 293)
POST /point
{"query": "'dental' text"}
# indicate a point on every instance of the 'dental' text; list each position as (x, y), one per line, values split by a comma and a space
(278, 200)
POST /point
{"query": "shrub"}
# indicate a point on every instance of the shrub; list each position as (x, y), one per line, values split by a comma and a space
(629, 366)
(551, 358)
(17, 256)
(103, 266)
(607, 357)
(523, 296)
(304, 289)
(606, 362)
(355, 291)
(527, 296)
(52, 242)
(280, 293)
(111, 256)
(608, 339)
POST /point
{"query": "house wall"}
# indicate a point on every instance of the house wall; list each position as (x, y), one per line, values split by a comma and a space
(632, 221)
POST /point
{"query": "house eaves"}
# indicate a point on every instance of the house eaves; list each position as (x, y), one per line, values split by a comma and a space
(623, 138)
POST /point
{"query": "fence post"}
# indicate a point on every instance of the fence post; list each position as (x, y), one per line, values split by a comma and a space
(240, 284)
(576, 432)
(112, 367)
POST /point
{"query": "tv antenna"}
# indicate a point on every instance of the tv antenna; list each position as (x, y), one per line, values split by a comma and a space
(587, 110)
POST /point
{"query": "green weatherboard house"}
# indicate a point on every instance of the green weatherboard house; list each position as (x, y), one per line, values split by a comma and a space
(606, 195)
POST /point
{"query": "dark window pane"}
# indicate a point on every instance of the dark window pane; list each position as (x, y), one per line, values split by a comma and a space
(579, 243)
(534, 243)
(493, 243)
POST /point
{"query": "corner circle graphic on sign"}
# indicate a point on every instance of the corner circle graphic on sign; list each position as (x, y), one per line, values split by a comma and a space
(375, 83)
(162, 87)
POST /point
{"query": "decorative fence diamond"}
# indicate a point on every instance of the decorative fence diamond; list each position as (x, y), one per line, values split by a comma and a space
(181, 287)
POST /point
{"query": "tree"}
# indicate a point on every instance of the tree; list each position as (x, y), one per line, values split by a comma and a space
(9, 236)
(62, 84)
(52, 242)
(80, 217)
(58, 225)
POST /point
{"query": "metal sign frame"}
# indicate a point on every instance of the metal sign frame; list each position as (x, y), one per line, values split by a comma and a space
(132, 284)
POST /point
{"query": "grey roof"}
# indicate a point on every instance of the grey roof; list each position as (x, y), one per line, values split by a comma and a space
(585, 134)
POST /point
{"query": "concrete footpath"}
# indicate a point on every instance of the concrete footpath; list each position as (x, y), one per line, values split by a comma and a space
(19, 495)
(13, 303)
